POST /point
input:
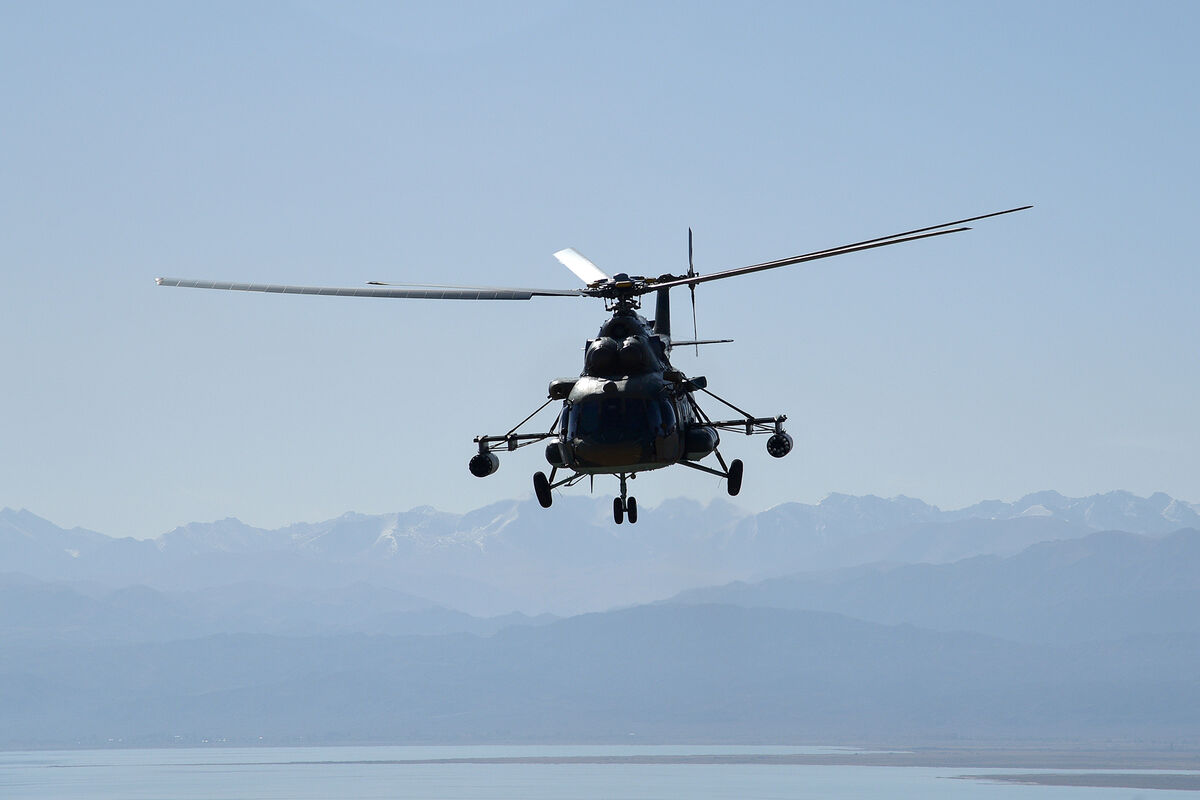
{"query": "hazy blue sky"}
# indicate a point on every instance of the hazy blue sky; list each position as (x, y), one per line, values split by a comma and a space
(327, 143)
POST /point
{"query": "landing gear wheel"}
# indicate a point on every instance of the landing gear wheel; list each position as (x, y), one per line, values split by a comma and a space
(735, 477)
(631, 510)
(541, 488)
(618, 511)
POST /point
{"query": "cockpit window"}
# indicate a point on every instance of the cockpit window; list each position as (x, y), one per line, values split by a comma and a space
(611, 419)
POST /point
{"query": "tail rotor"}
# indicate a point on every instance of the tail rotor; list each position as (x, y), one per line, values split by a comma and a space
(692, 288)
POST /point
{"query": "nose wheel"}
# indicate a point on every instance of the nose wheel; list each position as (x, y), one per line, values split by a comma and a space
(624, 506)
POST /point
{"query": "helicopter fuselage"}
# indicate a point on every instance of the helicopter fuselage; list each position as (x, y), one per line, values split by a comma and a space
(629, 411)
(620, 425)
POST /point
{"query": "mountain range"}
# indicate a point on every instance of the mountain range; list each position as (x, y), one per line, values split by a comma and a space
(1106, 585)
(516, 556)
(855, 620)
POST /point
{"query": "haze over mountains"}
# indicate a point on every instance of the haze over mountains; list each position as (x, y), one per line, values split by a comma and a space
(516, 556)
(859, 618)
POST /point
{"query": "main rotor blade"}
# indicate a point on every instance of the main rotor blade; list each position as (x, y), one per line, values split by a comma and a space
(415, 292)
(584, 269)
(555, 292)
(866, 244)
(784, 262)
(929, 228)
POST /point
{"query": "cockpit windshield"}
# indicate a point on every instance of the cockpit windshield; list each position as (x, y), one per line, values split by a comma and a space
(613, 419)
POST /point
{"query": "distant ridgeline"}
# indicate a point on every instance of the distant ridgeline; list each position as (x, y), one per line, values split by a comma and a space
(504, 557)
(855, 619)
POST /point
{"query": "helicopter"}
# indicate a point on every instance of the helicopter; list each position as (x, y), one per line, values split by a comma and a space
(630, 410)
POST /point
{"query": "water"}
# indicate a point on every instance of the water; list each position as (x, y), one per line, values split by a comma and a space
(321, 773)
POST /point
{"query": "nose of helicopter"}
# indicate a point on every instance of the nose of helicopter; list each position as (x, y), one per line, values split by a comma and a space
(607, 455)
(609, 430)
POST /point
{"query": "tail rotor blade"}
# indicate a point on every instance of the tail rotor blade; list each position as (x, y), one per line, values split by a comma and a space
(695, 331)
(691, 269)
(692, 289)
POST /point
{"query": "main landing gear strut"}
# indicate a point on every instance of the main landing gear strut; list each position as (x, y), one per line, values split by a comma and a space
(542, 485)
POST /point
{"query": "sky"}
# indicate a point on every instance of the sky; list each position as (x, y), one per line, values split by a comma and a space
(335, 143)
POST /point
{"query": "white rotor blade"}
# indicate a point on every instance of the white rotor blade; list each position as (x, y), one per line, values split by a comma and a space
(423, 292)
(585, 270)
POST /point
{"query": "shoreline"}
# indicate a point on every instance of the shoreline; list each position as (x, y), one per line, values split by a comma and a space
(1107, 761)
(1096, 760)
(1112, 780)
(1126, 769)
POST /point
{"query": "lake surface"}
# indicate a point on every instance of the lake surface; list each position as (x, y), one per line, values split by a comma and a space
(317, 773)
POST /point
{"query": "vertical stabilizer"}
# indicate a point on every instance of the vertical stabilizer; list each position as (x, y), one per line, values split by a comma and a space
(662, 313)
